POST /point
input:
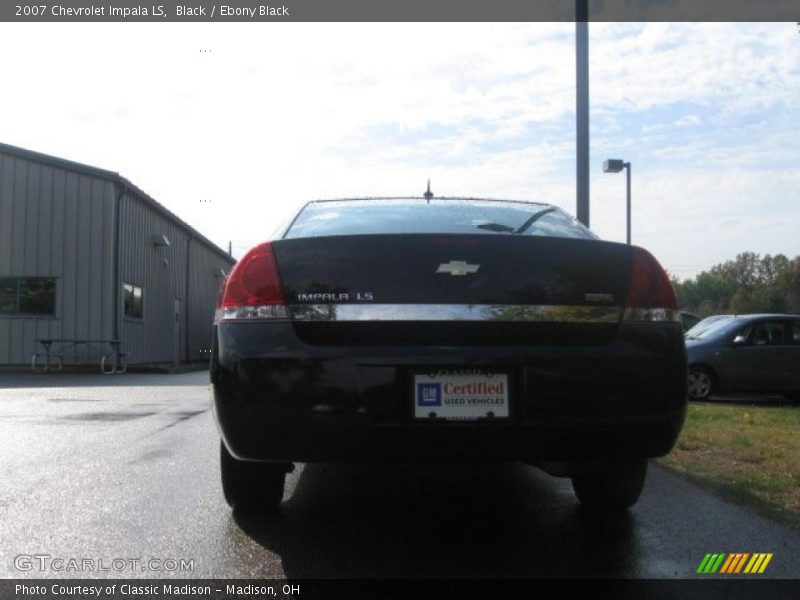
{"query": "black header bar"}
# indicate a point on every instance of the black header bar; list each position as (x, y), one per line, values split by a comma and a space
(711, 588)
(394, 10)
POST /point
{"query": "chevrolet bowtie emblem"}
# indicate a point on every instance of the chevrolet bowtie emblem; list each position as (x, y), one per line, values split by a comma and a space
(457, 267)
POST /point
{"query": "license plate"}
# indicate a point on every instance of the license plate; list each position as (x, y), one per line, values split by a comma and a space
(461, 395)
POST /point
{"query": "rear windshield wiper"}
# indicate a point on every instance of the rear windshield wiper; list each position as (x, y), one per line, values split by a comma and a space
(497, 227)
(533, 218)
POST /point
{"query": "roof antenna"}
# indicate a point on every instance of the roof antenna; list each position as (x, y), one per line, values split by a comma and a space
(428, 194)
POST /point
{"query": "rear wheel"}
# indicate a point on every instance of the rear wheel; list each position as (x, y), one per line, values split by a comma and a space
(616, 486)
(252, 486)
(701, 383)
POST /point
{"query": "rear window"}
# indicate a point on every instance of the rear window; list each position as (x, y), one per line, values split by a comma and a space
(362, 217)
(708, 328)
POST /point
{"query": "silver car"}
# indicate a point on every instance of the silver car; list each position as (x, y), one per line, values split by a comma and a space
(752, 353)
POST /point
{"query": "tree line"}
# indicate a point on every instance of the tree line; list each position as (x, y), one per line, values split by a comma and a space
(750, 283)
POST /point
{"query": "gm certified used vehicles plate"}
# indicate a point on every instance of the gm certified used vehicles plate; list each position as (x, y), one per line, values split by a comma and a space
(465, 395)
(446, 329)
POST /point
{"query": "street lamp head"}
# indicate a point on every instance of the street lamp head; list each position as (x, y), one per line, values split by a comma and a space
(613, 165)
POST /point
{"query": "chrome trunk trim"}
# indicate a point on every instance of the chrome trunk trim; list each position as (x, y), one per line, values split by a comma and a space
(455, 312)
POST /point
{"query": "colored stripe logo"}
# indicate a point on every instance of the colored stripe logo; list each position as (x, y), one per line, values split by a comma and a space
(734, 563)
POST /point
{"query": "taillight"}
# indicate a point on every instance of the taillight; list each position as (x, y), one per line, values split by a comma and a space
(650, 295)
(253, 288)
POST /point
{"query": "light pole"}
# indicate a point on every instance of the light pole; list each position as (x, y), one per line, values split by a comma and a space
(582, 110)
(615, 165)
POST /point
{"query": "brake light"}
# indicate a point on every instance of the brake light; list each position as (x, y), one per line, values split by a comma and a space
(650, 295)
(253, 288)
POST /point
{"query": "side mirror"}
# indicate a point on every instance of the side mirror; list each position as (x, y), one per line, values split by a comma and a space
(739, 340)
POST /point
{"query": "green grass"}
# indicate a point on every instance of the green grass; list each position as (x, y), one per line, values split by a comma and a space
(741, 441)
(751, 449)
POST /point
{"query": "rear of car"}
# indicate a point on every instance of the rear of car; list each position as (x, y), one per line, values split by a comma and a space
(446, 330)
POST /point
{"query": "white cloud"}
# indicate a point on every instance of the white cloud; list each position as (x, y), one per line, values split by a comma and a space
(276, 114)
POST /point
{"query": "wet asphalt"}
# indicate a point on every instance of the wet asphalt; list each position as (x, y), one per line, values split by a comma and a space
(126, 467)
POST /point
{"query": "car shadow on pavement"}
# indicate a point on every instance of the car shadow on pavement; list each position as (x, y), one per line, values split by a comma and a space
(441, 521)
(16, 380)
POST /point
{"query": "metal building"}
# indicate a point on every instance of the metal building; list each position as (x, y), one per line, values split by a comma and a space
(86, 255)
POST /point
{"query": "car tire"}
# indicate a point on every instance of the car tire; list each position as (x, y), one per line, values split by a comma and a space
(615, 487)
(252, 486)
(702, 383)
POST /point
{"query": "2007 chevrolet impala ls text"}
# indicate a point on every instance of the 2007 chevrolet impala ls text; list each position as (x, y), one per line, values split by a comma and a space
(446, 329)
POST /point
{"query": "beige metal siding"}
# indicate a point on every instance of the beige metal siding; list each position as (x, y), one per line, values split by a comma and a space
(55, 223)
(160, 271)
(57, 219)
(152, 339)
(204, 282)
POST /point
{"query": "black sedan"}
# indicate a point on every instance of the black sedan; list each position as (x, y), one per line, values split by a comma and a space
(446, 329)
(744, 353)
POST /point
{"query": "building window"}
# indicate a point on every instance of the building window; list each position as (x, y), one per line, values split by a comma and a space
(132, 295)
(34, 296)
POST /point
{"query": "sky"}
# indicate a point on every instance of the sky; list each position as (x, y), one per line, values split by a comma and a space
(234, 126)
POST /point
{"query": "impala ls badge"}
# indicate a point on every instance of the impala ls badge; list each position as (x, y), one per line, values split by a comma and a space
(457, 267)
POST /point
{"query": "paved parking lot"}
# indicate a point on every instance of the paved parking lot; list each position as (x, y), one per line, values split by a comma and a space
(125, 467)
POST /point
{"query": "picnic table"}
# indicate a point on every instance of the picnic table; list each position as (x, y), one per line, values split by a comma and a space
(113, 359)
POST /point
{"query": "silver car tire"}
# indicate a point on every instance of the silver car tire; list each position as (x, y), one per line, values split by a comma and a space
(701, 384)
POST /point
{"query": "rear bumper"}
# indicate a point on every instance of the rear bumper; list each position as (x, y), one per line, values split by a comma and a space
(278, 398)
